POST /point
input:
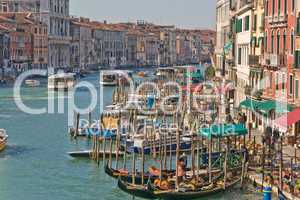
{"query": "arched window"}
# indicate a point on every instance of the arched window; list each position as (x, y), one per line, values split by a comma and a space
(278, 42)
(285, 6)
(284, 40)
(266, 41)
(292, 42)
(272, 42)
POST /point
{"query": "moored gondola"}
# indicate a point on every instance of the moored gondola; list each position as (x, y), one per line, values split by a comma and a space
(204, 191)
(134, 189)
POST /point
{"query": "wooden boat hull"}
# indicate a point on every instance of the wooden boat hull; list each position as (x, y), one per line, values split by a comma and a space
(135, 190)
(3, 143)
(89, 153)
(126, 177)
(173, 195)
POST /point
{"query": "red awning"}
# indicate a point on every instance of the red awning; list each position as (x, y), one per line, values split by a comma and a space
(288, 119)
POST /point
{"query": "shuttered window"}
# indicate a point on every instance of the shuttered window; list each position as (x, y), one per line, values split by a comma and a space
(255, 23)
(298, 26)
(247, 23)
(297, 59)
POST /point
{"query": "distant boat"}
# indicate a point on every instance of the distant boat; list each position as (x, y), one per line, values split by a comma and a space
(108, 79)
(32, 83)
(3, 139)
(61, 82)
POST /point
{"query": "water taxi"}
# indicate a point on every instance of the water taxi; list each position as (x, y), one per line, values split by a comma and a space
(61, 82)
(32, 83)
(109, 78)
(3, 139)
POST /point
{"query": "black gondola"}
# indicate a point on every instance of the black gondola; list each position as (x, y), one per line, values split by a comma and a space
(134, 189)
(205, 190)
(128, 176)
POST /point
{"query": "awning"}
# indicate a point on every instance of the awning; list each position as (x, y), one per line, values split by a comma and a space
(266, 106)
(223, 130)
(250, 104)
(193, 75)
(278, 107)
(288, 119)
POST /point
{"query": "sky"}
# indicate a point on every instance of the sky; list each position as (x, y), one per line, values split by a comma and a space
(181, 13)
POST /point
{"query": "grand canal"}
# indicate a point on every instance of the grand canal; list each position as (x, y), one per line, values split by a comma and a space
(36, 165)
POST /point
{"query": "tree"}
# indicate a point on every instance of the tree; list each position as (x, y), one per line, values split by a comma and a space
(210, 72)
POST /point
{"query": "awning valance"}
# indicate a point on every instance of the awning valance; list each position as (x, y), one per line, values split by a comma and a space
(223, 130)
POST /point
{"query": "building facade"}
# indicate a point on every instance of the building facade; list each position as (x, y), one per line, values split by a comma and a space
(280, 74)
(223, 30)
(55, 13)
(4, 52)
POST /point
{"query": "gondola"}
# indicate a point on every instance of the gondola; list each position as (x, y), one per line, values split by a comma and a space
(206, 190)
(128, 176)
(134, 189)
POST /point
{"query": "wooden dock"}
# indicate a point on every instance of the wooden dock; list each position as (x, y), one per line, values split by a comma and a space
(257, 178)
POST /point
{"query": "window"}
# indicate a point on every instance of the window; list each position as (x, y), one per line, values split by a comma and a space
(240, 56)
(266, 41)
(277, 82)
(273, 7)
(298, 26)
(247, 23)
(283, 83)
(285, 6)
(279, 7)
(255, 22)
(278, 42)
(292, 42)
(284, 40)
(267, 8)
(297, 89)
(272, 42)
(291, 84)
(293, 5)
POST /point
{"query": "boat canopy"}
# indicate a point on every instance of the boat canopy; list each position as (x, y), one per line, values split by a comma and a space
(223, 130)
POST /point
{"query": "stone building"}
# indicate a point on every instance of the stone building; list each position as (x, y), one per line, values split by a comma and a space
(55, 13)
(167, 46)
(4, 52)
(82, 45)
(223, 32)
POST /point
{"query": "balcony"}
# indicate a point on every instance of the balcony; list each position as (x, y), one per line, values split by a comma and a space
(278, 20)
(275, 60)
(253, 60)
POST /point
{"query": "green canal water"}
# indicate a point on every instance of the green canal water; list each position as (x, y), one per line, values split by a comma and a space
(36, 166)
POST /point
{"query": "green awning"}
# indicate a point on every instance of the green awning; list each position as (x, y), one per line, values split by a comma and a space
(193, 75)
(250, 104)
(224, 130)
(278, 107)
(266, 106)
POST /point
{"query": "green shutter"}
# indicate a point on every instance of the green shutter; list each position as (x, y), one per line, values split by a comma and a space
(247, 23)
(298, 26)
(297, 59)
(255, 22)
